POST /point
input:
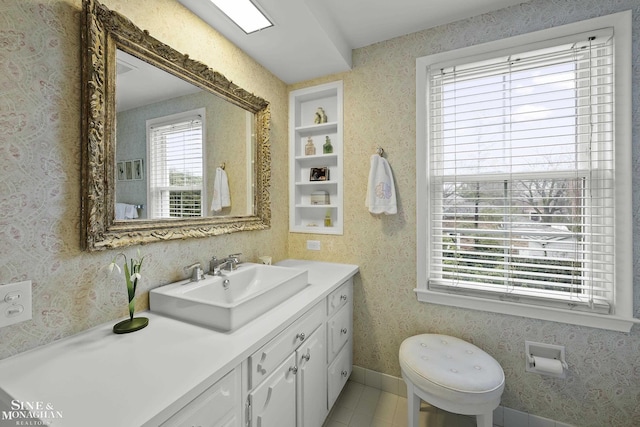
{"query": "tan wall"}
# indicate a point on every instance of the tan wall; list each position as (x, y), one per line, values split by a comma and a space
(603, 384)
(40, 166)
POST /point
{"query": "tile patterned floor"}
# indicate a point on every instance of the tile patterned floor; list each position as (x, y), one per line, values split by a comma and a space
(363, 406)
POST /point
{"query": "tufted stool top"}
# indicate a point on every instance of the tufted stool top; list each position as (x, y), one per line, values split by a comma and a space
(431, 361)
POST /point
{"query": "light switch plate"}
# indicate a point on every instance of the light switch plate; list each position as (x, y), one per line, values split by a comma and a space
(313, 245)
(15, 303)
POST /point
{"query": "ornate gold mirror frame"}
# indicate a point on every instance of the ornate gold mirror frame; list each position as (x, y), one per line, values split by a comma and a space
(103, 31)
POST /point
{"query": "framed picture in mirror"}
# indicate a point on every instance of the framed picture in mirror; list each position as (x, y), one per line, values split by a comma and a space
(120, 171)
(137, 169)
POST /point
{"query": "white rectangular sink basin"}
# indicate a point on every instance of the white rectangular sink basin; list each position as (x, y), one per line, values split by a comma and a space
(229, 301)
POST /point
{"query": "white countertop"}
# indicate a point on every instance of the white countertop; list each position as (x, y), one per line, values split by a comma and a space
(99, 378)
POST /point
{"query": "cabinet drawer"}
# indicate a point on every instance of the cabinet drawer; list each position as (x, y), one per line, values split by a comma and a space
(265, 360)
(214, 407)
(340, 297)
(339, 372)
(339, 331)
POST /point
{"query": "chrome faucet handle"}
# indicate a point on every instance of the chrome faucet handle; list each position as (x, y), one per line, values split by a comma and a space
(196, 271)
(233, 260)
(217, 271)
(235, 257)
(213, 263)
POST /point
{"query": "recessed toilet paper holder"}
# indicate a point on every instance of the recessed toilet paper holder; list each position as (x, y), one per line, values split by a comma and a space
(545, 359)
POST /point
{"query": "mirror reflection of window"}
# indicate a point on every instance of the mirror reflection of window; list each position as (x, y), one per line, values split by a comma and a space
(176, 172)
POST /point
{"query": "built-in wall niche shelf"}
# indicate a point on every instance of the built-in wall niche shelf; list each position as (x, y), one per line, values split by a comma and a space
(315, 159)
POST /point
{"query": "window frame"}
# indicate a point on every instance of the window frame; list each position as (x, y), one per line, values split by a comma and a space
(175, 119)
(622, 318)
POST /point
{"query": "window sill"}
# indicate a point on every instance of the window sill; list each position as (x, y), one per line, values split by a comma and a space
(608, 322)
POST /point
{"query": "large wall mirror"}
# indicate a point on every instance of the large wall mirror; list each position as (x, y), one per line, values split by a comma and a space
(171, 148)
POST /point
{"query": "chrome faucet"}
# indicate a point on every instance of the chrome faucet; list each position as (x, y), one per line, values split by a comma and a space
(218, 270)
(234, 260)
(197, 273)
(230, 263)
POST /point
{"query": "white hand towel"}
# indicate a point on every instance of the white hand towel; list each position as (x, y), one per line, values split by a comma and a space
(126, 211)
(221, 197)
(131, 212)
(120, 209)
(381, 190)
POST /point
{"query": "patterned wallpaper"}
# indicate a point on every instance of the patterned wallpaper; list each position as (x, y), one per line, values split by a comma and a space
(40, 166)
(39, 199)
(603, 384)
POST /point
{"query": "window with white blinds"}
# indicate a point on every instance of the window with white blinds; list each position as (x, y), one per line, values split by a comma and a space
(176, 174)
(521, 174)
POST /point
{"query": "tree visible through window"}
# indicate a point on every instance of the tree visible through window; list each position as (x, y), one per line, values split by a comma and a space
(521, 174)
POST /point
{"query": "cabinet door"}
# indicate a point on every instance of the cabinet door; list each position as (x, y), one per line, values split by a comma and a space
(312, 381)
(219, 405)
(233, 420)
(263, 362)
(273, 402)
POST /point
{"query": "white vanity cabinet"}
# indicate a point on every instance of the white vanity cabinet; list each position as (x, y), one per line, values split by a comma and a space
(290, 362)
(312, 381)
(273, 402)
(339, 339)
(288, 376)
(218, 406)
(296, 377)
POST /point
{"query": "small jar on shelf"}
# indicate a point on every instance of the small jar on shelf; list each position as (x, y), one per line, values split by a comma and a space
(327, 148)
(327, 219)
(309, 148)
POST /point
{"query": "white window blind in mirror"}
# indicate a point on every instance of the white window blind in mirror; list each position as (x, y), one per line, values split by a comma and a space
(521, 175)
(176, 173)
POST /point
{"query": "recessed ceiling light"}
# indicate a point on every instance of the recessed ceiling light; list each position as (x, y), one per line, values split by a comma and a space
(244, 13)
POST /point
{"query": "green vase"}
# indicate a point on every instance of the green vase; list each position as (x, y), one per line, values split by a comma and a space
(130, 325)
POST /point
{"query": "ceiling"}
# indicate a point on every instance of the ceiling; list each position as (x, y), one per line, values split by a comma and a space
(139, 83)
(312, 38)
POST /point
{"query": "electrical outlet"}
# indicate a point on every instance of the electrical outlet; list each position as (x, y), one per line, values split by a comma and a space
(313, 245)
(15, 303)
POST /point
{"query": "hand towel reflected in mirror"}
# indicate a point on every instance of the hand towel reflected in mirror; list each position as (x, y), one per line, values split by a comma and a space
(221, 196)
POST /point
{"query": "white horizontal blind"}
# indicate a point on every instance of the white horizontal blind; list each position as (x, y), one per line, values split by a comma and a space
(176, 169)
(521, 175)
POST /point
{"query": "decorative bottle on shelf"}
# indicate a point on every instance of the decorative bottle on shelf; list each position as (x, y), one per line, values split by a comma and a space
(327, 219)
(320, 117)
(327, 148)
(309, 148)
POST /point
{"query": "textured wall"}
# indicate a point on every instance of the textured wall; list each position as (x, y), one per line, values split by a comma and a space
(40, 166)
(39, 199)
(603, 385)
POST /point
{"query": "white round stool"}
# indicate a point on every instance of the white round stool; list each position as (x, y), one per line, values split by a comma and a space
(451, 374)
